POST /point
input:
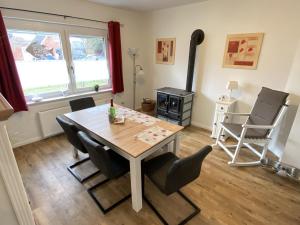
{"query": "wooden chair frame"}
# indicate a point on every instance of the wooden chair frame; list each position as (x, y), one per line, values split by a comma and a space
(246, 142)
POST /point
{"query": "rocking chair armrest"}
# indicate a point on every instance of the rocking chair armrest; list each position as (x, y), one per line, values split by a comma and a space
(266, 127)
(236, 114)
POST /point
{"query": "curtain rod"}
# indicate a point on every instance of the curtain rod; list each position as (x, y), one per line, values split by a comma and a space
(54, 14)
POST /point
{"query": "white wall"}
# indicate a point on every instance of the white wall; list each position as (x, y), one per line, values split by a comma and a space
(7, 215)
(24, 127)
(278, 19)
(291, 154)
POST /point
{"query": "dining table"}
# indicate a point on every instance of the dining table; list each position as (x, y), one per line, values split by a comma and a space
(136, 138)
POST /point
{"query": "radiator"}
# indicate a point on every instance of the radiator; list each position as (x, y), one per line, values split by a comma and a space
(48, 122)
(49, 125)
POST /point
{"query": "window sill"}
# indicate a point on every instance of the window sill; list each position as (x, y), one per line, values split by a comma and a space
(62, 98)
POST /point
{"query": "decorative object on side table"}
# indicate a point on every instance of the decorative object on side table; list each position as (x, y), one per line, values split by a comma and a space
(231, 85)
(165, 50)
(242, 50)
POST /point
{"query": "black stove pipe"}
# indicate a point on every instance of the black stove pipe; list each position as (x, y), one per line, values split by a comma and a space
(196, 39)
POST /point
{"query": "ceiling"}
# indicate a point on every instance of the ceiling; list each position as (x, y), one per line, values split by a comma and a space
(145, 5)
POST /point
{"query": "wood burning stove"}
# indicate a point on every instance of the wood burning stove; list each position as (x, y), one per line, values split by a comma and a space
(175, 105)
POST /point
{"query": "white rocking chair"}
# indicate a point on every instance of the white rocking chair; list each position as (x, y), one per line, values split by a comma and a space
(265, 116)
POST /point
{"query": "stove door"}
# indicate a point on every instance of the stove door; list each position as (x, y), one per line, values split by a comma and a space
(162, 101)
(174, 104)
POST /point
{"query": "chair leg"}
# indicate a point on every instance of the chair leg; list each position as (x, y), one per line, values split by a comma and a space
(196, 208)
(219, 136)
(185, 220)
(237, 151)
(238, 147)
(104, 211)
(76, 175)
(75, 153)
(264, 152)
(155, 211)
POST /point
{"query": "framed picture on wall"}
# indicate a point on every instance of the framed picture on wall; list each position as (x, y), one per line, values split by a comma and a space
(242, 50)
(165, 50)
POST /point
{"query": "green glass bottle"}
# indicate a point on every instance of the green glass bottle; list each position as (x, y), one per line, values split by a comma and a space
(112, 111)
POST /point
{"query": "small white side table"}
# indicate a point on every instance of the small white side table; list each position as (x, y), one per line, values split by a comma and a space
(222, 106)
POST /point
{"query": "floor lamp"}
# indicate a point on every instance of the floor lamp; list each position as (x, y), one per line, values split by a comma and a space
(137, 70)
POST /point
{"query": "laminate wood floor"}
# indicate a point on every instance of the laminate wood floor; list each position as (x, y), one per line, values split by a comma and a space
(226, 195)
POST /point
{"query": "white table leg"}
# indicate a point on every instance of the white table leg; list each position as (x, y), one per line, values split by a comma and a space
(171, 146)
(176, 147)
(136, 183)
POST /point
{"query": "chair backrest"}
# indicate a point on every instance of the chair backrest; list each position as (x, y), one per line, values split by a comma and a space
(98, 155)
(185, 170)
(266, 108)
(82, 103)
(71, 131)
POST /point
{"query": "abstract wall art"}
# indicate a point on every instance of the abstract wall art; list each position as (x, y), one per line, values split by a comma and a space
(242, 50)
(165, 50)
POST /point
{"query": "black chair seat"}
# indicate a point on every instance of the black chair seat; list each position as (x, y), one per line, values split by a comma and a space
(237, 129)
(158, 167)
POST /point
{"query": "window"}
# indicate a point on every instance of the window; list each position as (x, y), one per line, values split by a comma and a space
(89, 59)
(59, 62)
(40, 62)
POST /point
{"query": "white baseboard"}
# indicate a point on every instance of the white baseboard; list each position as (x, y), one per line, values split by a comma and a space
(27, 141)
(200, 125)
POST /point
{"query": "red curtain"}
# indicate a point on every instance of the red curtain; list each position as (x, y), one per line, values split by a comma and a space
(115, 56)
(10, 85)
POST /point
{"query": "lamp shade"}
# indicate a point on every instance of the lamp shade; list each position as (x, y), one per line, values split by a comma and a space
(232, 85)
(140, 72)
(133, 51)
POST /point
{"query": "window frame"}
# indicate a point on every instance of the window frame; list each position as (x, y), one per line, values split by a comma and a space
(64, 31)
(88, 32)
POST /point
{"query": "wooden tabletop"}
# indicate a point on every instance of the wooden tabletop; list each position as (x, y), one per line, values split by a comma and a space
(124, 136)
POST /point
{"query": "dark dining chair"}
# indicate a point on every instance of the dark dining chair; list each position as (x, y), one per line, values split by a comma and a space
(82, 103)
(111, 164)
(170, 173)
(71, 132)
